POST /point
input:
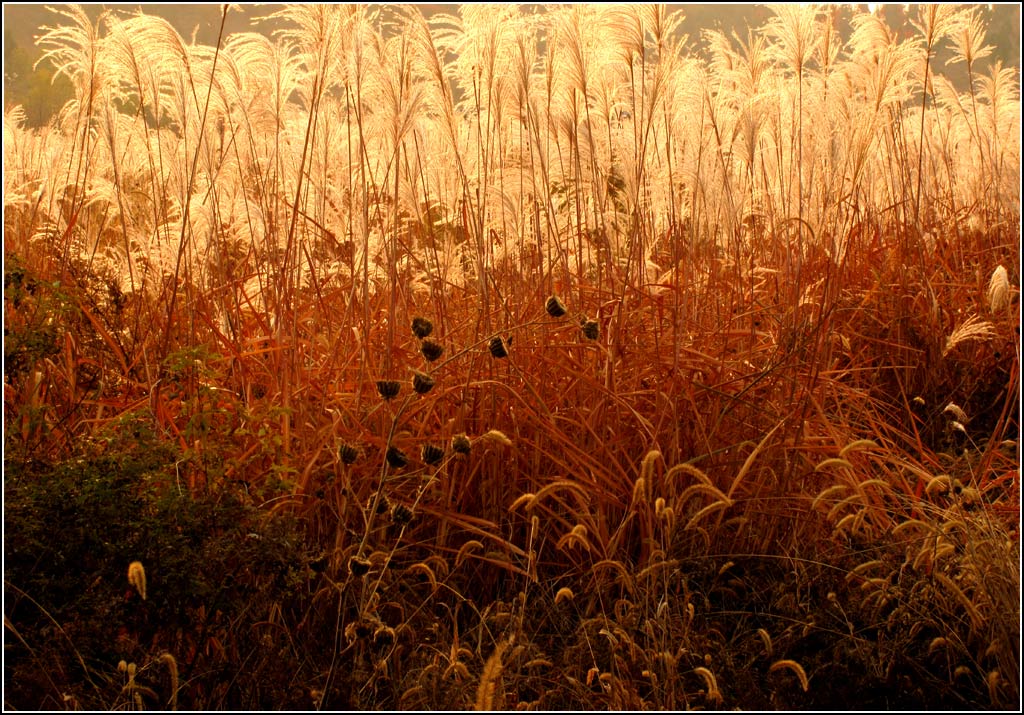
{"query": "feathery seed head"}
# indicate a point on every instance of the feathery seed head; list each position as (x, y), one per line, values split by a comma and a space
(137, 577)
(496, 436)
(956, 412)
(971, 329)
(421, 327)
(998, 290)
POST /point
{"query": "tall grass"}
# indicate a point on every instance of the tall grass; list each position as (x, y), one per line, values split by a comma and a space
(772, 252)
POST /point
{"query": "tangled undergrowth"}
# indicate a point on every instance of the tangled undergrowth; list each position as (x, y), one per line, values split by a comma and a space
(419, 567)
(431, 442)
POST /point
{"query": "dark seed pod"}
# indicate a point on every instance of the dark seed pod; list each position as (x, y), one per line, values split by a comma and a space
(358, 566)
(591, 331)
(319, 564)
(555, 307)
(388, 388)
(364, 628)
(383, 637)
(421, 327)
(348, 454)
(461, 444)
(431, 350)
(396, 457)
(401, 514)
(422, 383)
(383, 505)
(432, 454)
(497, 347)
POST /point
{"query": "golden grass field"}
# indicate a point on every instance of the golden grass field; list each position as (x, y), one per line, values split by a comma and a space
(515, 359)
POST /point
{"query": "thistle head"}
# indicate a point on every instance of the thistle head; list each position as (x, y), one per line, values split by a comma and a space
(432, 454)
(431, 349)
(396, 457)
(497, 347)
(590, 328)
(422, 383)
(555, 307)
(388, 388)
(421, 327)
(461, 444)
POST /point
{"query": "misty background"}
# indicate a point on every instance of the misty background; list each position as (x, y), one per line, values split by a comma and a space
(41, 96)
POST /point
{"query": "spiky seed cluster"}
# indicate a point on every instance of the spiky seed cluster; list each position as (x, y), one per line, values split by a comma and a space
(396, 457)
(432, 454)
(401, 514)
(497, 347)
(347, 453)
(422, 383)
(591, 330)
(358, 566)
(555, 307)
(461, 444)
(421, 327)
(431, 350)
(388, 388)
